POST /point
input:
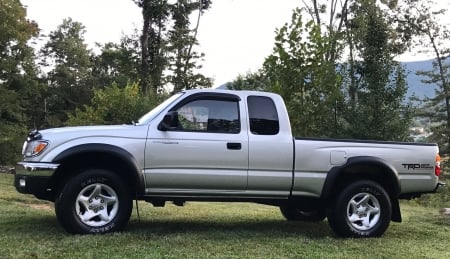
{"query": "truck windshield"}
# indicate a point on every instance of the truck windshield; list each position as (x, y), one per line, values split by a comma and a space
(155, 111)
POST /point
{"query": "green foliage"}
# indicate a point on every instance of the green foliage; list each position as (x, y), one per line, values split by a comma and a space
(11, 138)
(153, 44)
(425, 20)
(362, 97)
(375, 84)
(15, 31)
(435, 109)
(70, 84)
(299, 71)
(251, 81)
(181, 41)
(113, 105)
(168, 57)
(439, 200)
(17, 77)
(117, 63)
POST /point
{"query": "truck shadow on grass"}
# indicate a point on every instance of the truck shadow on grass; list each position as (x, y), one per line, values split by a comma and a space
(30, 225)
(242, 228)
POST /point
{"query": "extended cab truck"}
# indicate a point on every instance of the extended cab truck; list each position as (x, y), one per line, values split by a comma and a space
(219, 145)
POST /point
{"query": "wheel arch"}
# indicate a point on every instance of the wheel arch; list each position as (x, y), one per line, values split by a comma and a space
(101, 156)
(364, 168)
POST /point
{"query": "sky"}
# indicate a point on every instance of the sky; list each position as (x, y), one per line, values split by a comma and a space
(235, 35)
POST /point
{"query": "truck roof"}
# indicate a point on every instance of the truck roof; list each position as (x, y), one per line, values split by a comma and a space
(241, 93)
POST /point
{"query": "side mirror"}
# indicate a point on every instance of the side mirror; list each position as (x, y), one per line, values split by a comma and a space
(169, 122)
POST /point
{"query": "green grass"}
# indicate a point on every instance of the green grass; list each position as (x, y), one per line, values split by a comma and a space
(29, 229)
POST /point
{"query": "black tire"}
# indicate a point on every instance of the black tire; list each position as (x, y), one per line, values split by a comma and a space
(296, 214)
(362, 209)
(95, 201)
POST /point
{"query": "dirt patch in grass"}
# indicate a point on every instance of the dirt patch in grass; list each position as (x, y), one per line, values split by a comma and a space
(41, 206)
(445, 211)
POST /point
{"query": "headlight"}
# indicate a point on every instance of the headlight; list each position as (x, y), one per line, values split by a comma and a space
(24, 147)
(34, 145)
(34, 148)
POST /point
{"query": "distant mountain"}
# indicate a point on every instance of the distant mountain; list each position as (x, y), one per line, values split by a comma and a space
(415, 85)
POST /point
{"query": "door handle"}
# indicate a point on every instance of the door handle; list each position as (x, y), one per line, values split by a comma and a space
(234, 146)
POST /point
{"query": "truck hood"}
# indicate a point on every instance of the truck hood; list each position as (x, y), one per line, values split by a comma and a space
(118, 131)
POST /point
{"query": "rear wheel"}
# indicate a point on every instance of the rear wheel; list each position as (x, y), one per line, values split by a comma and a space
(296, 214)
(96, 201)
(362, 209)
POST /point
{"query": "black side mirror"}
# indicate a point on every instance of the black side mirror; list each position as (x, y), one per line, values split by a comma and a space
(169, 122)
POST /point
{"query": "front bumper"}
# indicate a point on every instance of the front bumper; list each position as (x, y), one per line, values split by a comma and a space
(34, 178)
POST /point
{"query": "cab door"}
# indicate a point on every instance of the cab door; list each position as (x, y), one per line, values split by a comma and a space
(272, 148)
(203, 152)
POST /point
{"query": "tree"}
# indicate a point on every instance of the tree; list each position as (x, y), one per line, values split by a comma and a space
(17, 72)
(117, 63)
(436, 109)
(69, 78)
(155, 15)
(113, 105)
(331, 18)
(376, 83)
(349, 25)
(167, 43)
(426, 23)
(250, 81)
(298, 70)
(334, 16)
(182, 39)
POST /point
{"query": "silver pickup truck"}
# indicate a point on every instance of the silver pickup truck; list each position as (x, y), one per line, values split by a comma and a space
(219, 145)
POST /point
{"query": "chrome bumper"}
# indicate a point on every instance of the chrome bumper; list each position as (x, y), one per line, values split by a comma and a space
(35, 178)
(36, 169)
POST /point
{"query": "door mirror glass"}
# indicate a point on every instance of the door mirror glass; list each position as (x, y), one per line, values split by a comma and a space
(169, 122)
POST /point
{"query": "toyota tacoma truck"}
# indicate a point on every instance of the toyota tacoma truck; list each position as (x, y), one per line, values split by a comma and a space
(222, 145)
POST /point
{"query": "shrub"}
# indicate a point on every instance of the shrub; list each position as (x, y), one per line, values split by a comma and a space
(113, 105)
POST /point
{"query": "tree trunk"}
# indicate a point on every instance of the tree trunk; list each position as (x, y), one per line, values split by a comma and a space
(444, 85)
(145, 67)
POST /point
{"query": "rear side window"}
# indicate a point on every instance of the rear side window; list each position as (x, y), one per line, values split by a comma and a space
(263, 116)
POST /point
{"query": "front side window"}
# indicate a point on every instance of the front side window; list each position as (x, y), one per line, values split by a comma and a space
(155, 111)
(210, 115)
(263, 116)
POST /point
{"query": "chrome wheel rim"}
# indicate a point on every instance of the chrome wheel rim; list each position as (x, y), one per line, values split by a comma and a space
(363, 211)
(97, 205)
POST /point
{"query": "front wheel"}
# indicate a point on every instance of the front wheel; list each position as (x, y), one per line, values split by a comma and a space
(96, 201)
(362, 209)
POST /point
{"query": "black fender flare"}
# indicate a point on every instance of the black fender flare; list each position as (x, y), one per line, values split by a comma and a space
(115, 152)
(379, 169)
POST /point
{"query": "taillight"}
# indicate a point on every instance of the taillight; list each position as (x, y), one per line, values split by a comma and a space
(437, 168)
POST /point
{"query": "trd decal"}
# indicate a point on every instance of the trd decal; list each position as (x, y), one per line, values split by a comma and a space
(417, 166)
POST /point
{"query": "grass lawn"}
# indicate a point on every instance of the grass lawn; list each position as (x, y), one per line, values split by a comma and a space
(28, 229)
